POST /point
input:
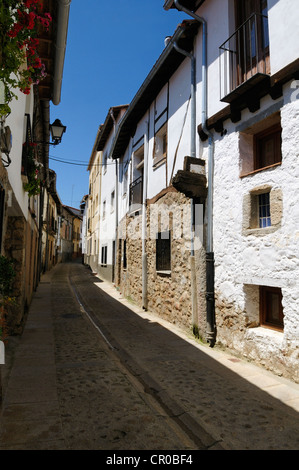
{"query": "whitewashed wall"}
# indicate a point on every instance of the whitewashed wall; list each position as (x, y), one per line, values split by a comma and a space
(283, 32)
(17, 123)
(243, 262)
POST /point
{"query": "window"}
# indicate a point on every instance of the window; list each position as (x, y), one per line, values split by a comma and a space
(136, 187)
(112, 200)
(268, 147)
(104, 162)
(125, 183)
(104, 209)
(260, 145)
(104, 256)
(271, 311)
(160, 147)
(264, 210)
(125, 254)
(163, 251)
(245, 55)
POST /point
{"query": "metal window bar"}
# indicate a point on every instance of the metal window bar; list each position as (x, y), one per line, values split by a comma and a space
(264, 210)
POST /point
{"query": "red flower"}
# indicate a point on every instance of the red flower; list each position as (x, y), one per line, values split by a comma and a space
(26, 20)
(17, 27)
(38, 63)
(26, 90)
(29, 3)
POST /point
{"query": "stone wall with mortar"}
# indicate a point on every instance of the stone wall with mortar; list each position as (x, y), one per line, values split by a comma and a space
(129, 278)
(247, 257)
(15, 249)
(169, 293)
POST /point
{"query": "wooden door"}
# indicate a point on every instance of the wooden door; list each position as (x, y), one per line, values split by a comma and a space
(252, 38)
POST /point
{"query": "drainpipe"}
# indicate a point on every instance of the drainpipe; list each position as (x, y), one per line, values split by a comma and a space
(210, 267)
(60, 47)
(144, 219)
(193, 154)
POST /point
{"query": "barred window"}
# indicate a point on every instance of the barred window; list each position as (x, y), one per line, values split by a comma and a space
(264, 210)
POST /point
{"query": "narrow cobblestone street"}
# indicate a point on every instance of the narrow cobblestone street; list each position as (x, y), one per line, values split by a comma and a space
(93, 372)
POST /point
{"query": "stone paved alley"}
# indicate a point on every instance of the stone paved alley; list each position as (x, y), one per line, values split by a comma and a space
(92, 371)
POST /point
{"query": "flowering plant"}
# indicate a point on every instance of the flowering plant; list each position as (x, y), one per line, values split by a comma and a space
(33, 170)
(20, 64)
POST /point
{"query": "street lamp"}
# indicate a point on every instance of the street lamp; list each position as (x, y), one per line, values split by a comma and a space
(56, 130)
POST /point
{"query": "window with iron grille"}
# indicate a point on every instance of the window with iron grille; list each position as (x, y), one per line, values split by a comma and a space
(264, 210)
(163, 251)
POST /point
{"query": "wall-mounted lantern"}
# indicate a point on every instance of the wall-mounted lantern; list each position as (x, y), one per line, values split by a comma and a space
(57, 130)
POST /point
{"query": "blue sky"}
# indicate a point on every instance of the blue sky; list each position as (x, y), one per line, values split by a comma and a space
(111, 48)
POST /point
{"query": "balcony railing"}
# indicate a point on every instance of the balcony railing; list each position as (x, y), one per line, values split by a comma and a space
(244, 57)
(136, 193)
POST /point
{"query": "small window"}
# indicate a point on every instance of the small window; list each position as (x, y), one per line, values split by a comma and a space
(105, 163)
(260, 145)
(104, 209)
(104, 256)
(163, 251)
(112, 201)
(125, 183)
(125, 254)
(160, 147)
(264, 210)
(271, 311)
(268, 147)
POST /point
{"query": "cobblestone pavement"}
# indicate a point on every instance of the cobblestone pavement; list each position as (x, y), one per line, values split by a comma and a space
(92, 371)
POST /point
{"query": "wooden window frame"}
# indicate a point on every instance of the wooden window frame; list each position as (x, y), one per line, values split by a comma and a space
(259, 139)
(161, 134)
(261, 54)
(264, 220)
(265, 313)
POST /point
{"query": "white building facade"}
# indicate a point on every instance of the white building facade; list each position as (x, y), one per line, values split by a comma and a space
(206, 225)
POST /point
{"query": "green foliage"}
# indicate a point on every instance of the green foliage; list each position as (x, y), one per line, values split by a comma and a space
(33, 186)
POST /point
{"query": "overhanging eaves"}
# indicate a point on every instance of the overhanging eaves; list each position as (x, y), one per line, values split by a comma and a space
(159, 75)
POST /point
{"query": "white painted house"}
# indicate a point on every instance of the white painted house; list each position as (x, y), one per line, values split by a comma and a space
(207, 212)
(103, 198)
(253, 123)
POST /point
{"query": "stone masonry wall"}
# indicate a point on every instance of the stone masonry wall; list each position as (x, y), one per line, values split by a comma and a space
(14, 244)
(169, 293)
